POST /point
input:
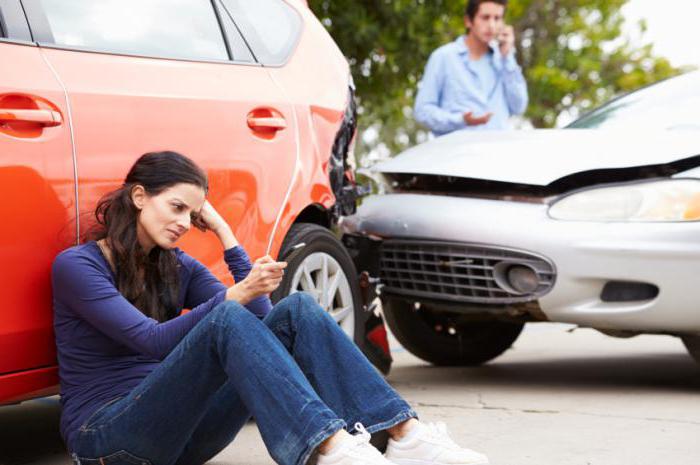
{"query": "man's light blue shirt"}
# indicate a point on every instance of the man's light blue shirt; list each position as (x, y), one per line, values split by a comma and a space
(453, 85)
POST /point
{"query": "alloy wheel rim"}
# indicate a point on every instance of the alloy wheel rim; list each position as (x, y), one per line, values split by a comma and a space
(321, 276)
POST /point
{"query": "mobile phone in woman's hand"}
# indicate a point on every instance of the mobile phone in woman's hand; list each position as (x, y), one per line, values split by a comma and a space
(294, 253)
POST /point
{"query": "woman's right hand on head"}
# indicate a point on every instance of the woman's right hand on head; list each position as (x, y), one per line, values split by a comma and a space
(210, 219)
(265, 276)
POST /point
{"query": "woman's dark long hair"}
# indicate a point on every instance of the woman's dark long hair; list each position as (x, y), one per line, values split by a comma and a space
(149, 281)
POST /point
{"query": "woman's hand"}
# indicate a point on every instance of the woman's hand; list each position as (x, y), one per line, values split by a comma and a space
(265, 276)
(209, 218)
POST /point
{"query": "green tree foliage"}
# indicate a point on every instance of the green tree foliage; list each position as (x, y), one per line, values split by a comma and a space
(572, 52)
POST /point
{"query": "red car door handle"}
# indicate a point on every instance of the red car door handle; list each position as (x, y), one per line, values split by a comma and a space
(266, 122)
(46, 118)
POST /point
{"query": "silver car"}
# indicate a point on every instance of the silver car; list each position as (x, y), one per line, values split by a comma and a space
(597, 224)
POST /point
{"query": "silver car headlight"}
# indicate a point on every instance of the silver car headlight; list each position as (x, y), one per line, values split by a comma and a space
(654, 201)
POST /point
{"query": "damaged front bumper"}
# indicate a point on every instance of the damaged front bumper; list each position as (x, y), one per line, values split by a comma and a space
(616, 276)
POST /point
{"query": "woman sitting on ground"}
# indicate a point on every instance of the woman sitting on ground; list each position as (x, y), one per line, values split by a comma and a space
(142, 383)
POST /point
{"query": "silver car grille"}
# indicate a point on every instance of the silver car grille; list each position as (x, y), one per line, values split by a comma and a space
(458, 272)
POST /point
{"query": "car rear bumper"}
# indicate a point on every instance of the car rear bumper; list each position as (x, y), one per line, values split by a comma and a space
(586, 256)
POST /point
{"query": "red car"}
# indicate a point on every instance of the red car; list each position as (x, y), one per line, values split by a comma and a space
(256, 92)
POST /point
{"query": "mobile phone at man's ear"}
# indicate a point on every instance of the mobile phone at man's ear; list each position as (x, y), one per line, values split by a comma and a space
(295, 251)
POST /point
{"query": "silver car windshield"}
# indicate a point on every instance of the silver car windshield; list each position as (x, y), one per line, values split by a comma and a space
(670, 104)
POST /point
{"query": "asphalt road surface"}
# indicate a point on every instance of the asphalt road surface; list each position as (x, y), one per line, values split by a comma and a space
(558, 397)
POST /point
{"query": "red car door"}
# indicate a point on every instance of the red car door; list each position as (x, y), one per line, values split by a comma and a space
(136, 86)
(38, 210)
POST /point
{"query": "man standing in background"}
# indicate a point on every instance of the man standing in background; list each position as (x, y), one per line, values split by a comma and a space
(474, 82)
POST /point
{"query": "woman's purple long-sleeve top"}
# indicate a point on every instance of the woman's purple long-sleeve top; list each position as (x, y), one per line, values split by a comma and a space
(105, 345)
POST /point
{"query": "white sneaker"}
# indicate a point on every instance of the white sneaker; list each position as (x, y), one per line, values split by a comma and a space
(355, 450)
(430, 444)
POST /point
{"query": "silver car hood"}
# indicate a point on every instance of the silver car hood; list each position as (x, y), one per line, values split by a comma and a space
(540, 157)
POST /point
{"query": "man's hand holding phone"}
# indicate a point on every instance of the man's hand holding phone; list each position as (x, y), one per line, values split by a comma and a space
(506, 39)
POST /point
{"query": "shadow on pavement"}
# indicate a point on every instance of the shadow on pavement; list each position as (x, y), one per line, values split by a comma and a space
(669, 372)
(35, 441)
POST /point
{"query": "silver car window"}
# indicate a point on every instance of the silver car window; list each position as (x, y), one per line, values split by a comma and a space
(670, 104)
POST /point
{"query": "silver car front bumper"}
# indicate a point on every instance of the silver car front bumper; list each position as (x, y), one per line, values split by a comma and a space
(585, 255)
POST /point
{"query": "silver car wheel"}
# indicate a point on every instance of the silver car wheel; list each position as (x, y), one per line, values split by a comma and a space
(321, 276)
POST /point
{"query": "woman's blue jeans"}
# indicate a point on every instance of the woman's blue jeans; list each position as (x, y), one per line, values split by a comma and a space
(296, 372)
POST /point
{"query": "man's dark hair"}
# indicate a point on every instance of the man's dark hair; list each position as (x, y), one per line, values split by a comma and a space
(473, 6)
